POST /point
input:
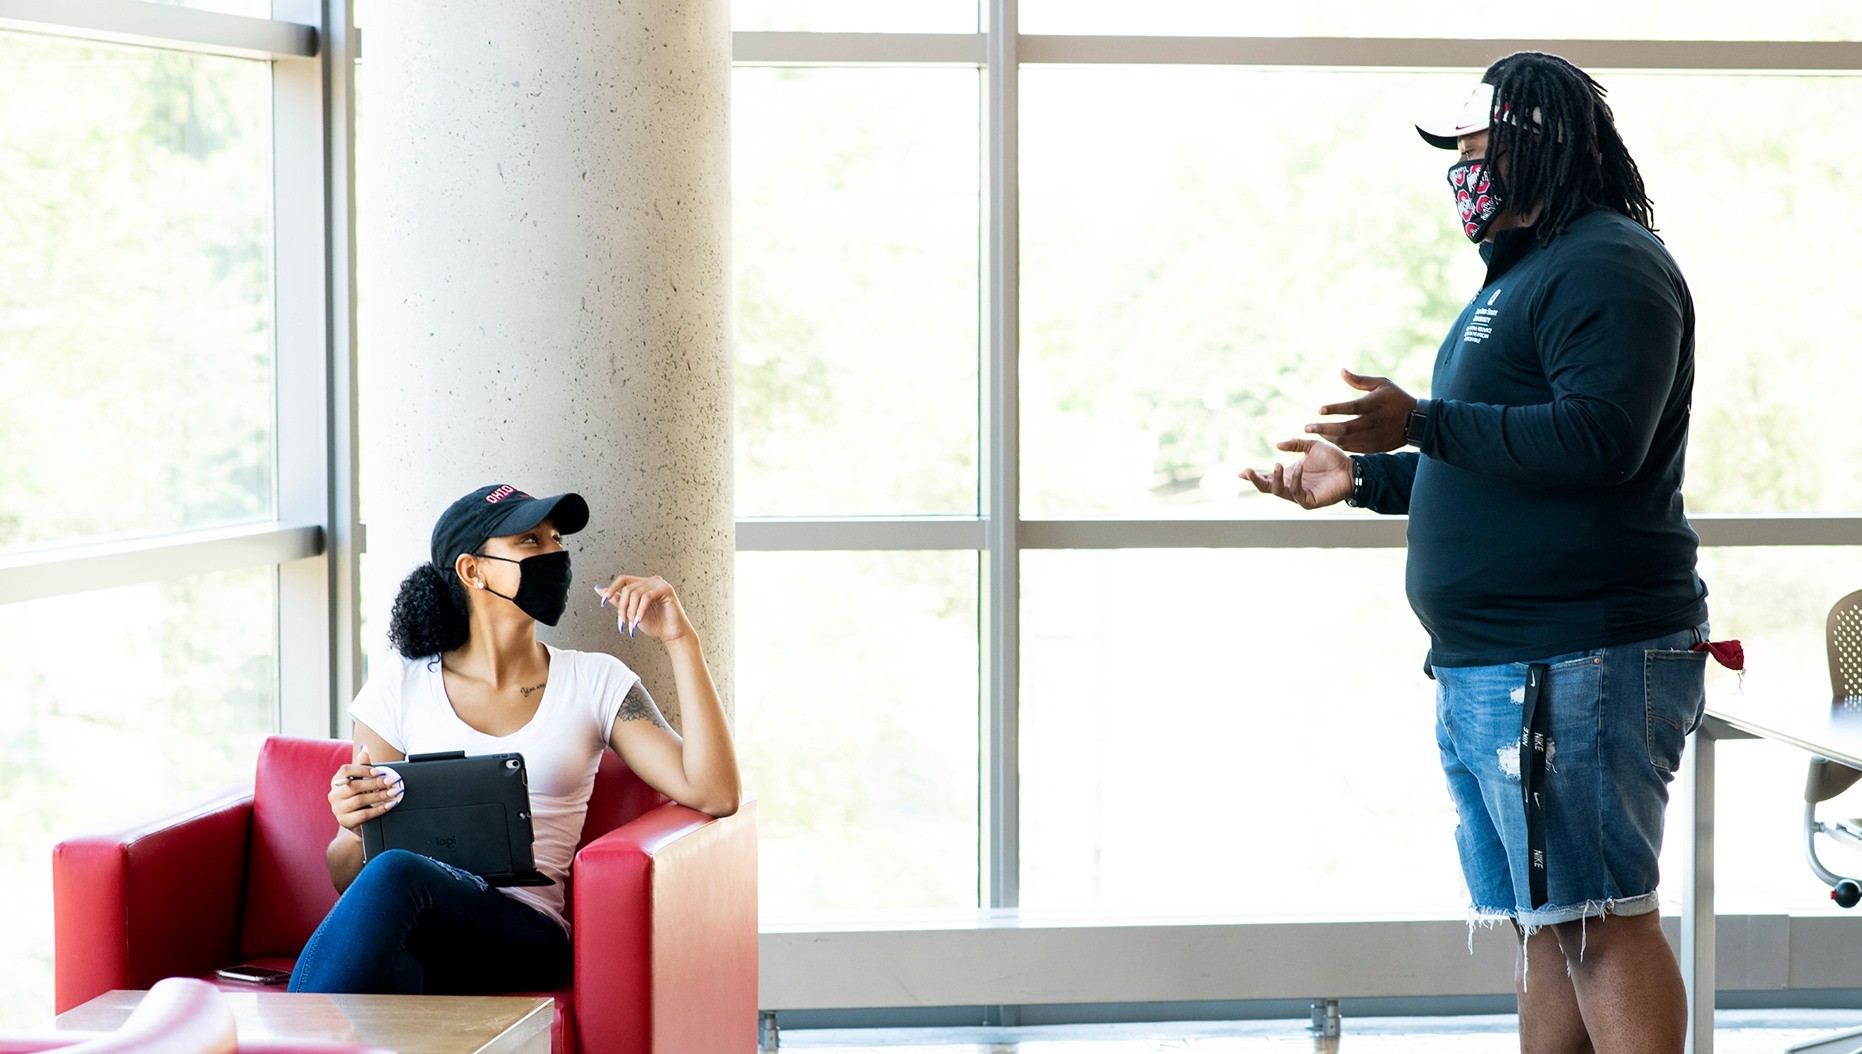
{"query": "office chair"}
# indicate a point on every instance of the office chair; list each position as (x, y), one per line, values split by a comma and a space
(1827, 779)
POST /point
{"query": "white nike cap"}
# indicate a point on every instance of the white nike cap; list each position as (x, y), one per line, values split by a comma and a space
(1474, 116)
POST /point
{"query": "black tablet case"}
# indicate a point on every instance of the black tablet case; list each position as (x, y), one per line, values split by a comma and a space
(470, 812)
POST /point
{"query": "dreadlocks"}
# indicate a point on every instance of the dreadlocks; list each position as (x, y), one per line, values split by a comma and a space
(1560, 142)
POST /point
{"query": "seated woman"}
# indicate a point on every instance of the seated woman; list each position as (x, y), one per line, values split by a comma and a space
(472, 676)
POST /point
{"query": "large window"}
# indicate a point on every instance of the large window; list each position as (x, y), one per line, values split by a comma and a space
(1190, 696)
(855, 240)
(137, 241)
(856, 720)
(143, 694)
(1754, 217)
(1650, 20)
(1187, 298)
(165, 599)
(854, 231)
(1196, 733)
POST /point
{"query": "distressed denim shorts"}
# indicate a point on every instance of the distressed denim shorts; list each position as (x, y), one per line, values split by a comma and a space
(1618, 717)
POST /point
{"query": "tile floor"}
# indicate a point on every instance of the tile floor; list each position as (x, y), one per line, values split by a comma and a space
(1737, 1032)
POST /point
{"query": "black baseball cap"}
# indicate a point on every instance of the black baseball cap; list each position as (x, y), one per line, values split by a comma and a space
(498, 510)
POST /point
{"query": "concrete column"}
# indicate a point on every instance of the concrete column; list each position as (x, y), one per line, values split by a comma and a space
(544, 203)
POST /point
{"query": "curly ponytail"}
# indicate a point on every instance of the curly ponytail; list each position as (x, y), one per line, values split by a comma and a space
(430, 614)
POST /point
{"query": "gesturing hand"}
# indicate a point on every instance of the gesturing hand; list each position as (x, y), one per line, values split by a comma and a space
(1381, 416)
(1321, 477)
(361, 791)
(647, 604)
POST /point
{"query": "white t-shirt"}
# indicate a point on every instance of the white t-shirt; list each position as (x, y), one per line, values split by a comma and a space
(405, 702)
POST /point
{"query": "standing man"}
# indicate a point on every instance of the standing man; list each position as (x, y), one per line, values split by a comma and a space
(1549, 559)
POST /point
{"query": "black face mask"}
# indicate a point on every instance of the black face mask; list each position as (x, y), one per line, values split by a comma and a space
(542, 585)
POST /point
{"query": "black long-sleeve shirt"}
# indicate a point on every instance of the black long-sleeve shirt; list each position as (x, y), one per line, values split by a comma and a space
(1545, 503)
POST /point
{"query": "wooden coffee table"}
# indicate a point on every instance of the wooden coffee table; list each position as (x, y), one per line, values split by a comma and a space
(410, 1024)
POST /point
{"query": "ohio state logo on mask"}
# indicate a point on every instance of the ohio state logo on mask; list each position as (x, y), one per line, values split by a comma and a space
(1478, 197)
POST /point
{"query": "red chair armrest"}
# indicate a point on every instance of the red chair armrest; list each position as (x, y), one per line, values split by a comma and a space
(665, 934)
(158, 899)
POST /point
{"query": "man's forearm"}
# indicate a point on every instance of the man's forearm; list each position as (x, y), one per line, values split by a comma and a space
(1570, 442)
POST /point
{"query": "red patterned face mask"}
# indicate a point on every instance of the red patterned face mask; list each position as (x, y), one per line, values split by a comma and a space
(1477, 197)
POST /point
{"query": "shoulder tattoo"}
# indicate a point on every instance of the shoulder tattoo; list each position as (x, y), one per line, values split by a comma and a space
(638, 704)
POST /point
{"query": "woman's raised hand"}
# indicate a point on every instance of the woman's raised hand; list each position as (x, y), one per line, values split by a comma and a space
(359, 792)
(648, 605)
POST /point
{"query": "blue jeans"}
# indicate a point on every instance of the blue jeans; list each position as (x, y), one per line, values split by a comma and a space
(410, 925)
(1618, 718)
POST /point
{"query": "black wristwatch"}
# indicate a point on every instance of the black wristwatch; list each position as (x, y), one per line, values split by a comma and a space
(1417, 425)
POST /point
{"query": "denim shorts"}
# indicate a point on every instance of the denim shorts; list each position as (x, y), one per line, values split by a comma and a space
(1616, 718)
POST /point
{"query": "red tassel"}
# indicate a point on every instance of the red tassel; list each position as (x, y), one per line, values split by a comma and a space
(1728, 653)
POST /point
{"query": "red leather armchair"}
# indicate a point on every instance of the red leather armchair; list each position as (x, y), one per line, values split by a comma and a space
(662, 898)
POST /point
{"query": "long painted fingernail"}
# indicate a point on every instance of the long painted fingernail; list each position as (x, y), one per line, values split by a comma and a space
(603, 596)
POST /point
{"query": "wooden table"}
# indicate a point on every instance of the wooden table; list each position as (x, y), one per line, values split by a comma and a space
(409, 1024)
(1810, 723)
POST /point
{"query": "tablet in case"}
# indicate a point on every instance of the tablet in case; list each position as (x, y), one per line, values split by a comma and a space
(470, 812)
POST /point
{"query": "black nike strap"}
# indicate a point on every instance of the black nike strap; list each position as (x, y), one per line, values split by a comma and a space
(1532, 748)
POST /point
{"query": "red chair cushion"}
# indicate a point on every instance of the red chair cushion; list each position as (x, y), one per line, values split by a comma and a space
(288, 890)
